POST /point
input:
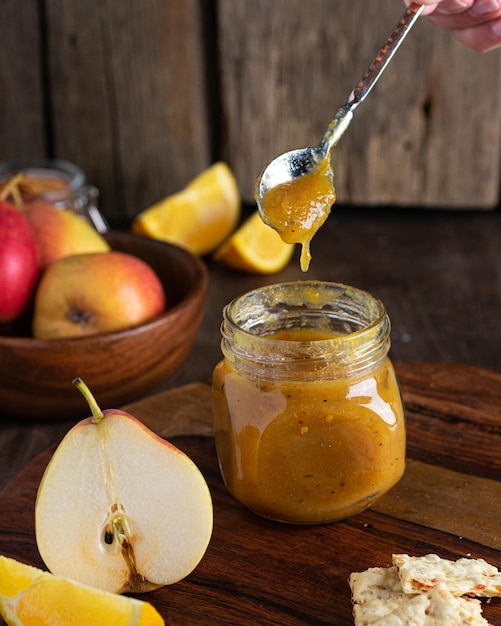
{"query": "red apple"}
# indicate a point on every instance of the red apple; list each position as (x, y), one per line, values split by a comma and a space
(19, 266)
(89, 294)
(60, 233)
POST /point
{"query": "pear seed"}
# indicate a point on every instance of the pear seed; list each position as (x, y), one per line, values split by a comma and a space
(108, 538)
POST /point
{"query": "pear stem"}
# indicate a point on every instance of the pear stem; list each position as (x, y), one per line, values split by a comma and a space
(12, 188)
(97, 414)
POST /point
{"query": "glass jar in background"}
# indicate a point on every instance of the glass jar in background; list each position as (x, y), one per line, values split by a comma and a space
(58, 182)
(308, 416)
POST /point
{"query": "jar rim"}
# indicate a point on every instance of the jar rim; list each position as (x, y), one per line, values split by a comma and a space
(270, 295)
(73, 174)
(355, 324)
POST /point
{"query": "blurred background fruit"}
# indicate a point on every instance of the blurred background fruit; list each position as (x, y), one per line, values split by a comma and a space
(120, 367)
(60, 233)
(200, 216)
(255, 247)
(19, 268)
(89, 294)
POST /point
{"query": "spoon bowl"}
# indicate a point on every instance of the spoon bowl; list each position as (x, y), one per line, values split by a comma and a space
(288, 166)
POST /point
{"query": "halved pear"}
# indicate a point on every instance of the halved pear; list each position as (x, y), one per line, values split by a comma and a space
(119, 508)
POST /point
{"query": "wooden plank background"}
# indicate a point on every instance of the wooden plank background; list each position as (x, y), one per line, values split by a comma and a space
(144, 94)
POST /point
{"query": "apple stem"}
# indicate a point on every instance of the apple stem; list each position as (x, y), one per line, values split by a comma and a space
(97, 414)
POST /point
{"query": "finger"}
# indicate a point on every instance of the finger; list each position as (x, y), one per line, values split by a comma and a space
(452, 7)
(482, 38)
(480, 12)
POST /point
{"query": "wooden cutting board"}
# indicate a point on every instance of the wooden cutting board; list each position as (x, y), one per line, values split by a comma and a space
(260, 572)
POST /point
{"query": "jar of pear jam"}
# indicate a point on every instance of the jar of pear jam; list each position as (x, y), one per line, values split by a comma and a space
(57, 182)
(308, 416)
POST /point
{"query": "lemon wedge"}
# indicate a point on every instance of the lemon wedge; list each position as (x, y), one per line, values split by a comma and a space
(200, 216)
(255, 247)
(32, 597)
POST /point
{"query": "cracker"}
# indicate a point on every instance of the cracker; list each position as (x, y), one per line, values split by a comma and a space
(473, 577)
(378, 600)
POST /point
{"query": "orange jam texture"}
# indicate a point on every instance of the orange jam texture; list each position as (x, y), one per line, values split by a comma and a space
(297, 209)
(309, 451)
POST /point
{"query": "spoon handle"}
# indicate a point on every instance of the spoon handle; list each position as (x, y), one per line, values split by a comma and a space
(344, 116)
(386, 53)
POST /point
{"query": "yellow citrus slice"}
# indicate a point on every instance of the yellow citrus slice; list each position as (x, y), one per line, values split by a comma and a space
(255, 247)
(32, 597)
(200, 216)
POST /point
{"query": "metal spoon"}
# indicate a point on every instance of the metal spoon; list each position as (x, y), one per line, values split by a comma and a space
(295, 163)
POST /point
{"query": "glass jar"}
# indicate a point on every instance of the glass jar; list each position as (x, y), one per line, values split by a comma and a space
(308, 416)
(58, 182)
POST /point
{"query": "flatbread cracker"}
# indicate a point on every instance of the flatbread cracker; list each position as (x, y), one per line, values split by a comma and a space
(472, 577)
(375, 593)
(378, 600)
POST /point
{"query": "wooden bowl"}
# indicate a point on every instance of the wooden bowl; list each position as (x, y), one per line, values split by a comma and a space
(36, 375)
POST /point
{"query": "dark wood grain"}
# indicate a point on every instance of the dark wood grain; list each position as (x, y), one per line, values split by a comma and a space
(461, 400)
(134, 115)
(261, 572)
(435, 497)
(23, 120)
(120, 88)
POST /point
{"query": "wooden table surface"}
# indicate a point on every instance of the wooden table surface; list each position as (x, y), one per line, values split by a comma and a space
(439, 274)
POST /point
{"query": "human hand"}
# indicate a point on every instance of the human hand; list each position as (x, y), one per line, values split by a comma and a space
(476, 23)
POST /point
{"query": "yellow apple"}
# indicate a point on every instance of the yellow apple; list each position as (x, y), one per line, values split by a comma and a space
(119, 508)
(60, 233)
(89, 294)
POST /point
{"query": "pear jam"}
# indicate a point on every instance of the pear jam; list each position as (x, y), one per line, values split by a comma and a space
(308, 416)
(298, 208)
